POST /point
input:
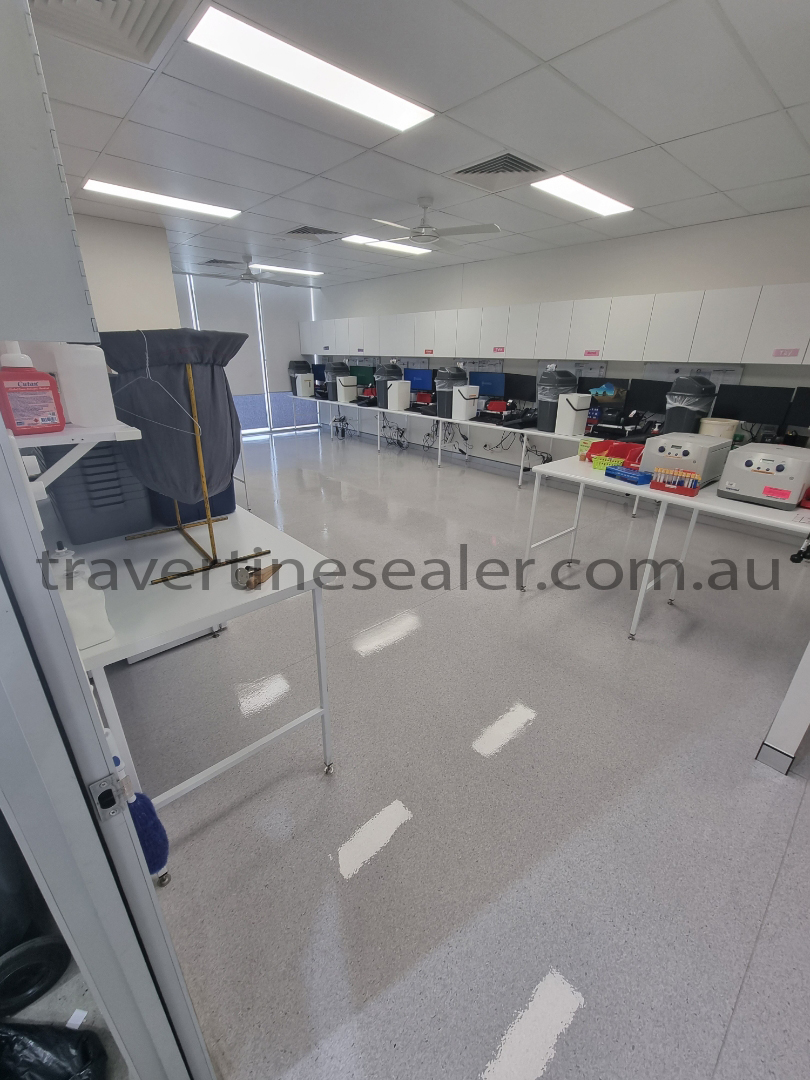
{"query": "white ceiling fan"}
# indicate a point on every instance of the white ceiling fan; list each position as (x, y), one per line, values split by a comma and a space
(429, 236)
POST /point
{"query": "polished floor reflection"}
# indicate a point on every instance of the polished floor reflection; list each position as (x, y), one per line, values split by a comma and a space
(545, 849)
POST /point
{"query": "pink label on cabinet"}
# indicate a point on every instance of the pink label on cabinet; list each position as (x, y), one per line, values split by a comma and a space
(785, 352)
(499, 348)
(591, 352)
(776, 493)
(428, 352)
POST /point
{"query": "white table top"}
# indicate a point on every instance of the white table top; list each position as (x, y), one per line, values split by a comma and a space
(159, 615)
(72, 434)
(707, 500)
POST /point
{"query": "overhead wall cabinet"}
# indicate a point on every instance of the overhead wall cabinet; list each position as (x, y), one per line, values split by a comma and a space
(325, 342)
(445, 328)
(371, 335)
(356, 346)
(404, 335)
(553, 328)
(522, 331)
(494, 331)
(388, 335)
(672, 327)
(589, 320)
(468, 332)
(724, 325)
(424, 333)
(341, 336)
(627, 328)
(781, 328)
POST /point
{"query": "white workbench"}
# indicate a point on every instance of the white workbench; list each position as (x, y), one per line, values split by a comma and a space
(791, 723)
(156, 617)
(571, 441)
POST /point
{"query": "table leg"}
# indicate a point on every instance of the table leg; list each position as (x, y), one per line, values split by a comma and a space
(522, 457)
(441, 440)
(647, 571)
(635, 505)
(331, 422)
(537, 481)
(378, 432)
(576, 523)
(689, 531)
(790, 725)
(320, 653)
(112, 720)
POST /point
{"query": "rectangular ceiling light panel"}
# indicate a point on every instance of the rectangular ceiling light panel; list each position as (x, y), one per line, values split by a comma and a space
(223, 34)
(286, 270)
(159, 200)
(386, 245)
(574, 192)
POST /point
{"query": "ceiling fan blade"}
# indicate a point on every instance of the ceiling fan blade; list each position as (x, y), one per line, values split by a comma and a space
(447, 246)
(237, 282)
(393, 224)
(393, 239)
(469, 230)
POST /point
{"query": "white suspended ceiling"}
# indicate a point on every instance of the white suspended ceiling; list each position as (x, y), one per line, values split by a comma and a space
(689, 110)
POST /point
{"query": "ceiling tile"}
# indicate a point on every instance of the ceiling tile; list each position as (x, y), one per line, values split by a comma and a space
(673, 73)
(514, 244)
(398, 180)
(169, 151)
(715, 207)
(115, 170)
(777, 37)
(250, 224)
(543, 117)
(512, 217)
(202, 68)
(74, 183)
(632, 224)
(76, 161)
(801, 117)
(441, 145)
(778, 195)
(551, 27)
(307, 214)
(421, 50)
(87, 78)
(548, 204)
(570, 233)
(752, 152)
(198, 114)
(351, 200)
(93, 207)
(83, 127)
(644, 178)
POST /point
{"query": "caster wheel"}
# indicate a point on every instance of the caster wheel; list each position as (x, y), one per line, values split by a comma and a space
(631, 637)
(797, 557)
(329, 770)
(163, 880)
(29, 970)
(671, 603)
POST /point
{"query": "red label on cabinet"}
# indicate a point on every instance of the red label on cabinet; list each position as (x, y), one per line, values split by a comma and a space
(499, 348)
(785, 352)
(591, 352)
(776, 493)
(428, 352)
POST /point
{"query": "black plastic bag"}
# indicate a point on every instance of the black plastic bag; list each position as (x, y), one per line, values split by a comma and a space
(41, 1052)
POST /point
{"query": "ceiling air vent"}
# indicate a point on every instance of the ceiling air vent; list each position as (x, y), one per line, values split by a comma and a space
(310, 230)
(134, 29)
(499, 173)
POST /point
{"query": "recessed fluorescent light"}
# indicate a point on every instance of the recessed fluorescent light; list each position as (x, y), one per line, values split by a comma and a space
(286, 270)
(237, 40)
(159, 200)
(572, 191)
(386, 245)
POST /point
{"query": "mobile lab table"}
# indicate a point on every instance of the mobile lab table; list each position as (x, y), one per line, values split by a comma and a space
(156, 617)
(791, 723)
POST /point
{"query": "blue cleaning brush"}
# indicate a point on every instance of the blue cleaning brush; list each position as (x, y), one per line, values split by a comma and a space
(148, 826)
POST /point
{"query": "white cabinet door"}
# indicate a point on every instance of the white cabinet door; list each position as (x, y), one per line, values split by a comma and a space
(404, 335)
(627, 327)
(672, 327)
(589, 320)
(724, 324)
(325, 341)
(781, 327)
(342, 337)
(553, 327)
(468, 332)
(355, 337)
(445, 332)
(522, 331)
(388, 335)
(306, 330)
(371, 335)
(424, 333)
(494, 331)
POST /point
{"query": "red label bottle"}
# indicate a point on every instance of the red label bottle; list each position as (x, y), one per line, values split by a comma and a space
(29, 399)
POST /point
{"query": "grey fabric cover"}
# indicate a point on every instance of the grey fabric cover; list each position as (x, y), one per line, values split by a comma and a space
(165, 459)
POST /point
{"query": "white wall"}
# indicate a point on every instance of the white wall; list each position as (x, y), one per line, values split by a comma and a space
(129, 274)
(282, 310)
(767, 249)
(221, 305)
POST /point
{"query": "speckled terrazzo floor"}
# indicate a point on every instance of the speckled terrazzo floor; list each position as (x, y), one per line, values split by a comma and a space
(625, 837)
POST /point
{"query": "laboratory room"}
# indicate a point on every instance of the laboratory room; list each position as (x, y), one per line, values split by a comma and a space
(404, 540)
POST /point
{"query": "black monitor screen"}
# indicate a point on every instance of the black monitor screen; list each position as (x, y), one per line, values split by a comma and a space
(799, 412)
(753, 404)
(520, 387)
(319, 372)
(647, 396)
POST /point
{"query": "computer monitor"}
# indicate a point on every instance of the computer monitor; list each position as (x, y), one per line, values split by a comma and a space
(753, 404)
(421, 379)
(799, 411)
(365, 375)
(646, 396)
(489, 383)
(319, 372)
(520, 387)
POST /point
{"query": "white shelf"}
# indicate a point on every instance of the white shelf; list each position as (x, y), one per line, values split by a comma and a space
(71, 435)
